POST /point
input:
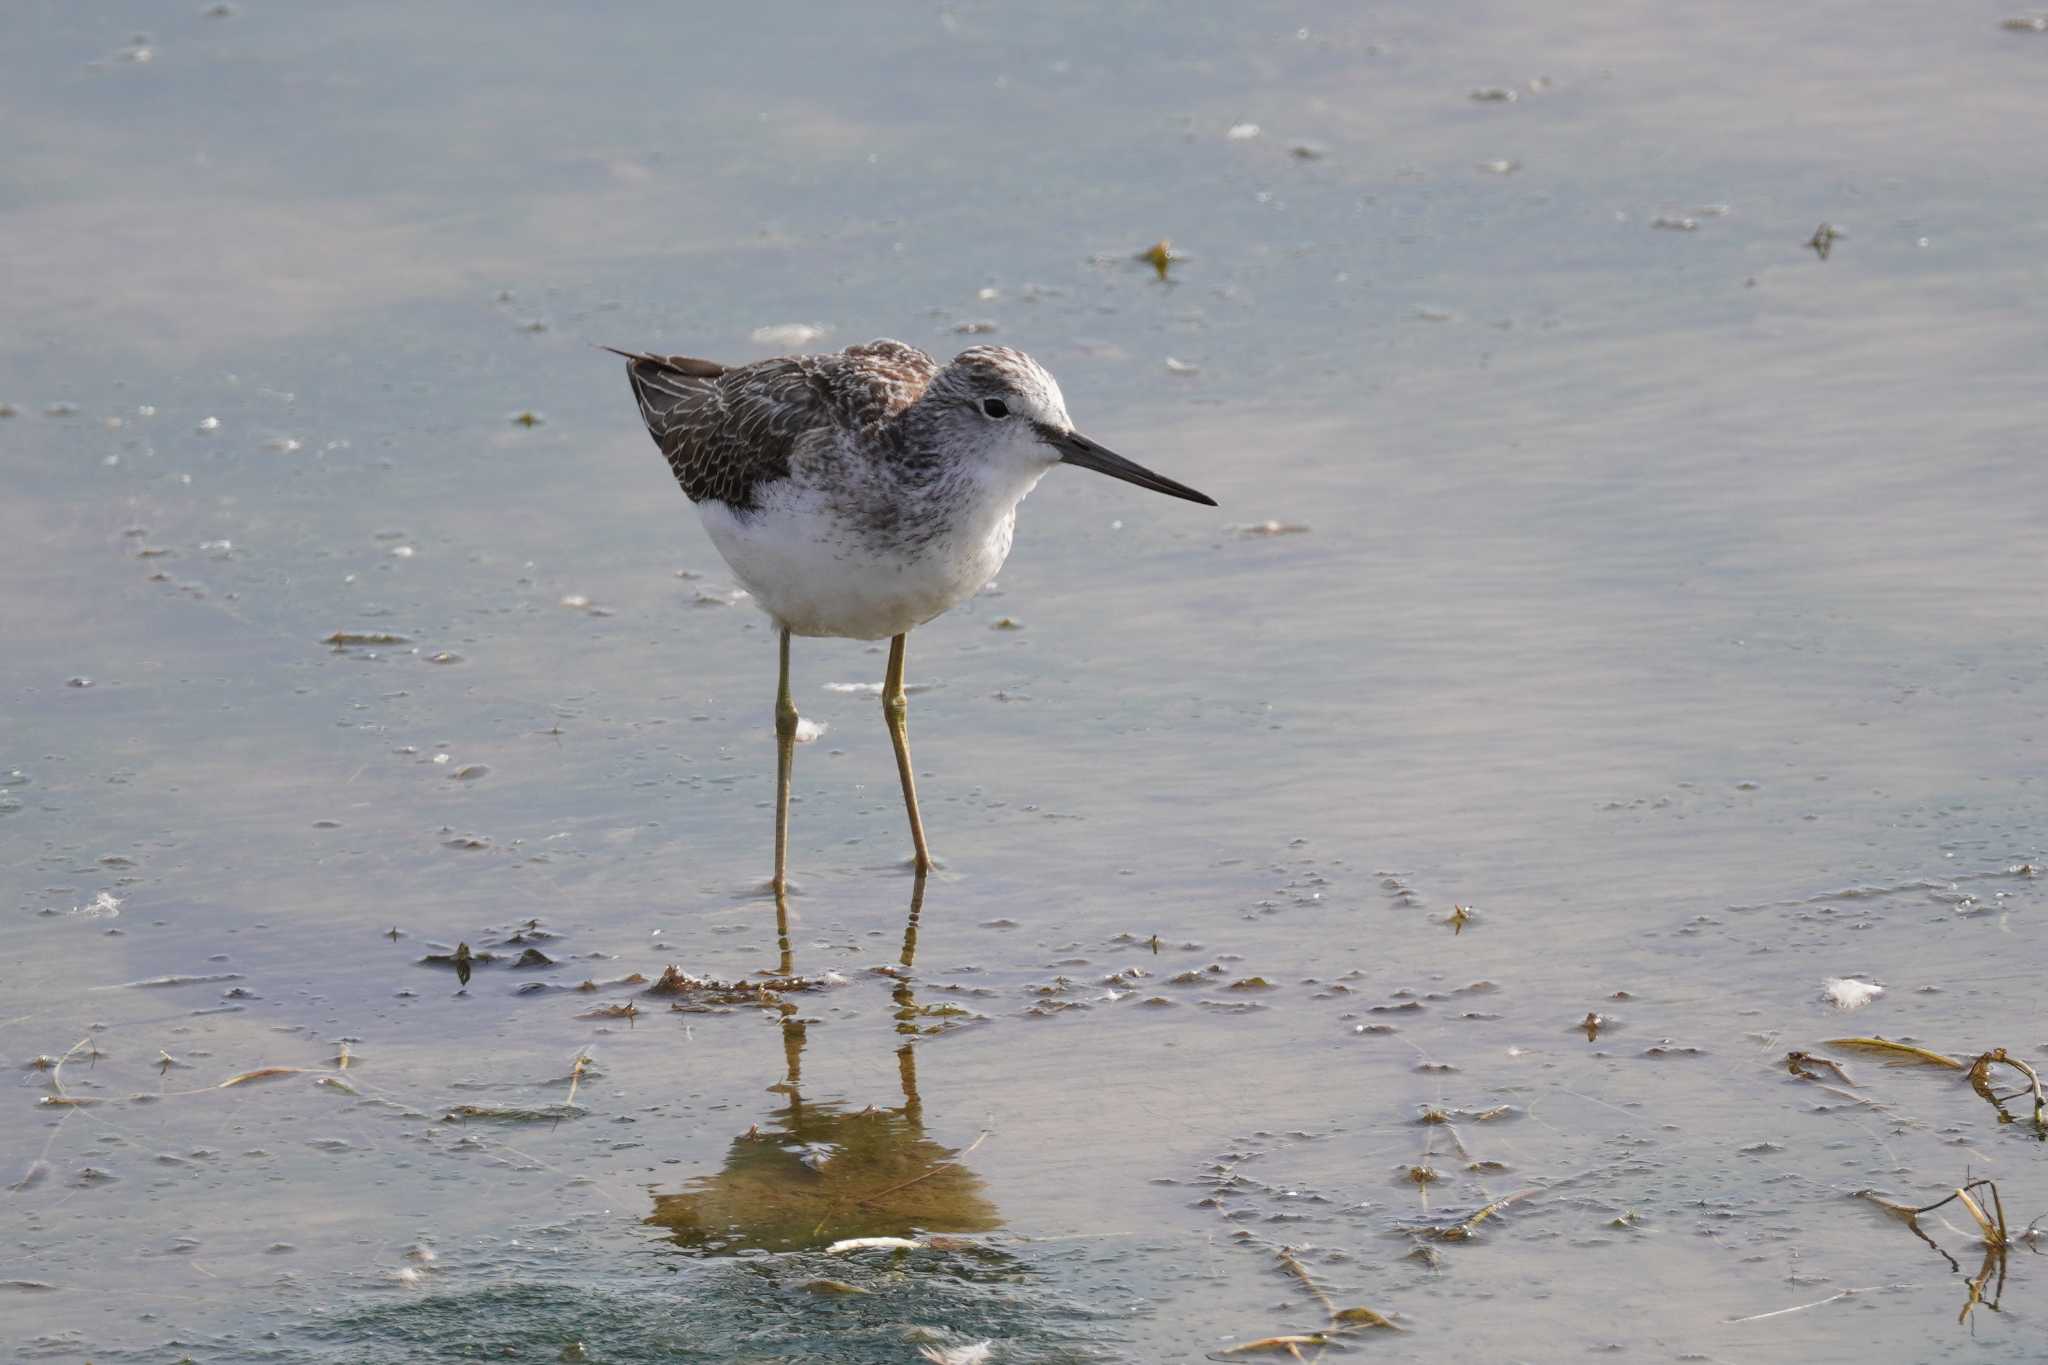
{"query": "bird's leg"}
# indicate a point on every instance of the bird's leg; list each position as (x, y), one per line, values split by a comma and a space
(785, 753)
(893, 708)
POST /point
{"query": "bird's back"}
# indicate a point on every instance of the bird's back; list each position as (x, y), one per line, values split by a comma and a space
(728, 432)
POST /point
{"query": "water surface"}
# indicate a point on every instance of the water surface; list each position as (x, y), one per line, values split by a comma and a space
(1668, 596)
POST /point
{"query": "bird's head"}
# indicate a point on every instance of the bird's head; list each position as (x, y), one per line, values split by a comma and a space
(1005, 405)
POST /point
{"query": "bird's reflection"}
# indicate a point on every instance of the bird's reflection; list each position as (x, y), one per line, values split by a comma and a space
(816, 1171)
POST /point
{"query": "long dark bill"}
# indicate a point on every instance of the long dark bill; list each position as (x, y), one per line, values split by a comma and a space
(1074, 448)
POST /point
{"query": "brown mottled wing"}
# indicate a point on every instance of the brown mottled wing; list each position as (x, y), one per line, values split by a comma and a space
(726, 432)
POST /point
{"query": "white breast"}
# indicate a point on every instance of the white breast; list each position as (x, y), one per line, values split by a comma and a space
(821, 571)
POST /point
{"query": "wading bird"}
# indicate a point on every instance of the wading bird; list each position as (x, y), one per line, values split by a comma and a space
(862, 493)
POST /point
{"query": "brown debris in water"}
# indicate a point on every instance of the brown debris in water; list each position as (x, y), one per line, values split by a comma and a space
(1980, 1081)
(1287, 1345)
(1160, 256)
(1900, 1054)
(1977, 1070)
(263, 1073)
(462, 960)
(1801, 1063)
(1341, 1320)
(344, 639)
(1465, 1229)
(696, 994)
(1981, 1200)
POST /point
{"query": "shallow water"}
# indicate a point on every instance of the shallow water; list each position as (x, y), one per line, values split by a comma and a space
(1668, 596)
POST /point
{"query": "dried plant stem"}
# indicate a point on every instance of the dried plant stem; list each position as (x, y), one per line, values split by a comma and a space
(1300, 1272)
(576, 1075)
(1901, 1052)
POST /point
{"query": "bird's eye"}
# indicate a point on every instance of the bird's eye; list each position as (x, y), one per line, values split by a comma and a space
(995, 407)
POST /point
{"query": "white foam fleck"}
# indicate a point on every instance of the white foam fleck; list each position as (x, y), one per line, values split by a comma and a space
(973, 1354)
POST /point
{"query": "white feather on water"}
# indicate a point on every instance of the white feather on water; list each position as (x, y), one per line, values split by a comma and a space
(1847, 993)
(872, 1244)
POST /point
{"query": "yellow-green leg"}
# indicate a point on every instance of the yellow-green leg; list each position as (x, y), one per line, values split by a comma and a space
(893, 708)
(785, 754)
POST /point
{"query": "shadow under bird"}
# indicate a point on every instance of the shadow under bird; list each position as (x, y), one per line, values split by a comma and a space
(862, 493)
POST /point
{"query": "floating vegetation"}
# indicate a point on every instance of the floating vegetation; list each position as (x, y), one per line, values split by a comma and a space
(576, 1071)
(1986, 1207)
(1340, 1320)
(1283, 1345)
(349, 639)
(1899, 1054)
(462, 960)
(1802, 1064)
(510, 1113)
(1465, 1228)
(263, 1073)
(1977, 1070)
(693, 994)
(1980, 1081)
